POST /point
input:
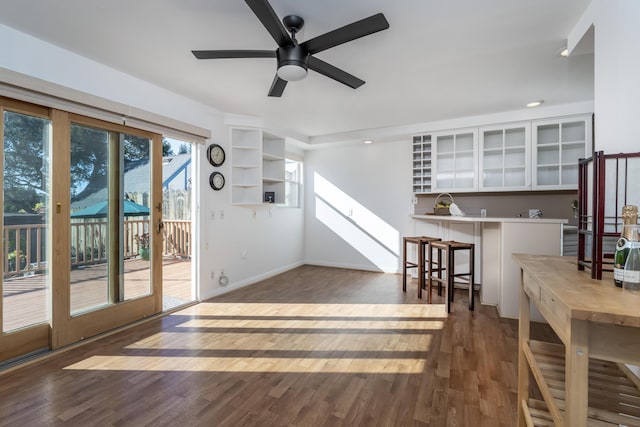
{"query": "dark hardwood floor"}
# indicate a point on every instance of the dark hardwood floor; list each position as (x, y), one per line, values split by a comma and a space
(311, 347)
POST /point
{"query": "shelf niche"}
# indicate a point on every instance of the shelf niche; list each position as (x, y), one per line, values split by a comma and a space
(257, 167)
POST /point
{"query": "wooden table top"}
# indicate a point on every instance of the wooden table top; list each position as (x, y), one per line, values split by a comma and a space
(578, 294)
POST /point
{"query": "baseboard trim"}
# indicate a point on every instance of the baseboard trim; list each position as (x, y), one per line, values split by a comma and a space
(393, 270)
(251, 280)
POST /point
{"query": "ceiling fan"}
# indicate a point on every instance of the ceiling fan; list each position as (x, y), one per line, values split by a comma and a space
(294, 59)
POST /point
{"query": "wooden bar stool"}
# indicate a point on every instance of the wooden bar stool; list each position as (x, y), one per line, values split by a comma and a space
(422, 246)
(449, 248)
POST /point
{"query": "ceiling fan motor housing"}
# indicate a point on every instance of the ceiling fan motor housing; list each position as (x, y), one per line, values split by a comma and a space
(292, 62)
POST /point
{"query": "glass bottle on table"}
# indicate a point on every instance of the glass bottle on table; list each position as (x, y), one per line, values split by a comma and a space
(629, 220)
(631, 280)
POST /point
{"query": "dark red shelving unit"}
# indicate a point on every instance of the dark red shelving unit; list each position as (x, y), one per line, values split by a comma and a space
(603, 188)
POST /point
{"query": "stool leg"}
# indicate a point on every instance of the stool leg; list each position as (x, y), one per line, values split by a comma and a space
(404, 266)
(451, 273)
(439, 270)
(447, 288)
(429, 270)
(471, 278)
(420, 268)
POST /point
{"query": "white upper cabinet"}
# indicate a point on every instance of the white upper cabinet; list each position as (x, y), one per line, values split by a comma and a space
(558, 144)
(505, 157)
(522, 156)
(456, 159)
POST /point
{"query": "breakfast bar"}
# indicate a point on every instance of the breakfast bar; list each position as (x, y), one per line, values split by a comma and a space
(496, 239)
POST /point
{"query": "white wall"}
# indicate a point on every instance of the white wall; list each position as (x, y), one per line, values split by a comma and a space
(617, 73)
(272, 240)
(358, 203)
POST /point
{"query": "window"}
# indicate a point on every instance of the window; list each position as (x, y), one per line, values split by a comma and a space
(293, 183)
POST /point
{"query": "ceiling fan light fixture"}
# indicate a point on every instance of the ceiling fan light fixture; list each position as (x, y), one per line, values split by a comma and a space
(292, 72)
(292, 63)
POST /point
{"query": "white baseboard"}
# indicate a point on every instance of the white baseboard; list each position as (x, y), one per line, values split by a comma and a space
(366, 267)
(250, 281)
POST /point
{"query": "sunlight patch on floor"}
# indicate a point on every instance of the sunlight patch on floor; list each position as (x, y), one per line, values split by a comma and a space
(423, 311)
(354, 323)
(249, 364)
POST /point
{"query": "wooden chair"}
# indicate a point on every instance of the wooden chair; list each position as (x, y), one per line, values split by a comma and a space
(422, 247)
(435, 272)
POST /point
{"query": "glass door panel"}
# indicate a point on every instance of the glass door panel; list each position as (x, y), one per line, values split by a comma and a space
(177, 203)
(136, 193)
(24, 236)
(90, 208)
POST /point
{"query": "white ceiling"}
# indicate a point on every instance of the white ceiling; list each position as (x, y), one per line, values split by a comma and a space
(438, 60)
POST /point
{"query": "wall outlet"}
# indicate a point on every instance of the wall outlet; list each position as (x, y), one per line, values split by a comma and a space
(221, 214)
(213, 275)
(243, 254)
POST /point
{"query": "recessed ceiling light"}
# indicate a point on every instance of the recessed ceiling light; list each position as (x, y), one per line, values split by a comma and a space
(534, 104)
(367, 141)
(565, 52)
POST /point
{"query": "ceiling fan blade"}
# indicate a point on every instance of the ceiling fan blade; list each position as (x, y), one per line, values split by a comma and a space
(277, 87)
(270, 20)
(334, 73)
(223, 54)
(353, 31)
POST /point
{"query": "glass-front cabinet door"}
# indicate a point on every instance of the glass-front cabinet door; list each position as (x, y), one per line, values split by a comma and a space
(557, 146)
(455, 161)
(504, 157)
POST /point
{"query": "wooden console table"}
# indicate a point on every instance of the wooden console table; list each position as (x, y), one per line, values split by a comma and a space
(583, 381)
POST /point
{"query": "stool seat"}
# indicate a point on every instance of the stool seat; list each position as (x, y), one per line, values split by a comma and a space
(449, 248)
(422, 243)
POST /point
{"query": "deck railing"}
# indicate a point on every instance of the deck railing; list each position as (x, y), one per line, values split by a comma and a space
(24, 249)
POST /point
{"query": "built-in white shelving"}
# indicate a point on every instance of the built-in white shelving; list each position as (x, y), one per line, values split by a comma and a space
(257, 166)
(422, 164)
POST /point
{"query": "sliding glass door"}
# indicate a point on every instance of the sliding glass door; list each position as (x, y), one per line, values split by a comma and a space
(25, 138)
(114, 222)
(81, 227)
(110, 191)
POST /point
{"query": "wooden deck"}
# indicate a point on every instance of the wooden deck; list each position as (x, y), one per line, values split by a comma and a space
(25, 297)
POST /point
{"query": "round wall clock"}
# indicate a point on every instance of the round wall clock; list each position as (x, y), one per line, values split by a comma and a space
(215, 155)
(216, 181)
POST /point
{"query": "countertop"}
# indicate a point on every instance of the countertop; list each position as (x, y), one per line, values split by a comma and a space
(578, 294)
(469, 218)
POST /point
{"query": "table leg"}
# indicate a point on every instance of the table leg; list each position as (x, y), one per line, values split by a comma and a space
(577, 374)
(523, 339)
